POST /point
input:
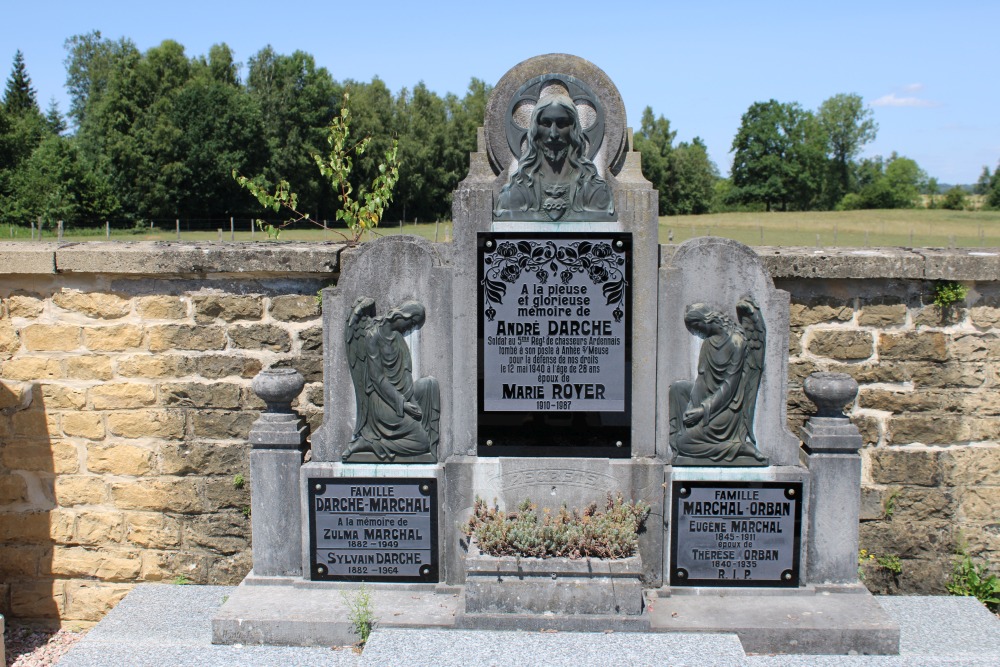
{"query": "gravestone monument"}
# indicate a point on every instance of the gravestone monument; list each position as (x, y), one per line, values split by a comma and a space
(554, 351)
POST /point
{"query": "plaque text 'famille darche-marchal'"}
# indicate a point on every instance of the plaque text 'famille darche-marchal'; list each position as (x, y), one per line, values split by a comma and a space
(735, 533)
(555, 323)
(373, 529)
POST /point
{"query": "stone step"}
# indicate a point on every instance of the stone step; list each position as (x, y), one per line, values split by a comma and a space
(310, 615)
(807, 623)
(554, 622)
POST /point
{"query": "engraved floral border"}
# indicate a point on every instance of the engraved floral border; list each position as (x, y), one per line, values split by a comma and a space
(507, 260)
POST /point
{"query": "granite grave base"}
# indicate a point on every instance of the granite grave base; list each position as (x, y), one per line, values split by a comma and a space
(594, 586)
(811, 620)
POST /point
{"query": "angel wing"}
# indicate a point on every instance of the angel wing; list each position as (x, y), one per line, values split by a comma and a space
(355, 332)
(752, 322)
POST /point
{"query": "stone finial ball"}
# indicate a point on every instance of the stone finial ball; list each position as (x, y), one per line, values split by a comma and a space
(278, 387)
(830, 392)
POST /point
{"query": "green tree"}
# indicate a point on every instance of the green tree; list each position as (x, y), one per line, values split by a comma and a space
(982, 186)
(655, 141)
(54, 118)
(165, 130)
(22, 129)
(7, 159)
(778, 157)
(297, 101)
(158, 180)
(55, 184)
(424, 180)
(692, 179)
(905, 179)
(19, 97)
(893, 183)
(93, 66)
(954, 199)
(683, 176)
(221, 65)
(105, 105)
(465, 116)
(219, 129)
(848, 126)
(993, 192)
(359, 212)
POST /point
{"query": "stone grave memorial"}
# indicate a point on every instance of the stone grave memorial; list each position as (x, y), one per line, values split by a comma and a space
(553, 351)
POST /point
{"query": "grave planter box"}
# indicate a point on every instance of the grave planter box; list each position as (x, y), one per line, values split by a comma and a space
(514, 585)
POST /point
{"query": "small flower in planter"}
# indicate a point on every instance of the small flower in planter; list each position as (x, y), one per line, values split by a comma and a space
(590, 533)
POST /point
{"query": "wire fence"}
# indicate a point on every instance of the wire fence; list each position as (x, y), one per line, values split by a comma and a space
(916, 236)
(967, 233)
(217, 230)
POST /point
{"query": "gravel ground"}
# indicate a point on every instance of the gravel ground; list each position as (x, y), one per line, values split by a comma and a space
(27, 647)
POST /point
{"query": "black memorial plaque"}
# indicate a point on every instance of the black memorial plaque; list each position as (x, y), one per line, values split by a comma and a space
(555, 352)
(735, 533)
(373, 529)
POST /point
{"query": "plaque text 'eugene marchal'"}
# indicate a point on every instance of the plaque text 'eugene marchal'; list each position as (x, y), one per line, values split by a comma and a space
(373, 528)
(735, 533)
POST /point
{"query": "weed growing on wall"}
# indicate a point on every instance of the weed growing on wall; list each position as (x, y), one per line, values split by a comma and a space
(360, 613)
(891, 563)
(948, 292)
(612, 533)
(974, 579)
(361, 212)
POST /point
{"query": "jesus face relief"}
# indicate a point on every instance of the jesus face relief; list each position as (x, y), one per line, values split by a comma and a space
(552, 134)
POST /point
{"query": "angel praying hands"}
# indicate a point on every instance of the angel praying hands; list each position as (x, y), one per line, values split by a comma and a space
(711, 417)
(396, 416)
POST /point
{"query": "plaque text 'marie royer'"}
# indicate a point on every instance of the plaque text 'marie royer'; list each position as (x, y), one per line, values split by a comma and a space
(554, 333)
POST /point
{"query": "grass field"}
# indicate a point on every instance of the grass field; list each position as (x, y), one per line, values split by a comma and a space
(896, 227)
(899, 227)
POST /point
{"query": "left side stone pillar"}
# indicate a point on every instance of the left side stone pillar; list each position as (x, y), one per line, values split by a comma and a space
(277, 439)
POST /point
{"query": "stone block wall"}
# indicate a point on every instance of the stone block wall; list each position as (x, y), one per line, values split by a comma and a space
(928, 409)
(125, 402)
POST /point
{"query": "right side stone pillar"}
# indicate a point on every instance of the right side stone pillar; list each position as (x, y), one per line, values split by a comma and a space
(831, 443)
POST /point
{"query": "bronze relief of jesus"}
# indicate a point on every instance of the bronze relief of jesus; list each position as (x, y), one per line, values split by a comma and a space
(554, 179)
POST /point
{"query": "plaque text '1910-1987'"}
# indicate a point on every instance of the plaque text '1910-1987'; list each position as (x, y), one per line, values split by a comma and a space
(554, 326)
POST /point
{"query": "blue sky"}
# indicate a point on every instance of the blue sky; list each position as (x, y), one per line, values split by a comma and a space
(925, 68)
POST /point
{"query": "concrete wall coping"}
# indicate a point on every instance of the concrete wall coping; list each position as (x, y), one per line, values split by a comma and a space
(982, 264)
(158, 258)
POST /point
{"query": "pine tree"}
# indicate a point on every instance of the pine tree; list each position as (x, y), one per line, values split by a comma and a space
(19, 97)
(54, 118)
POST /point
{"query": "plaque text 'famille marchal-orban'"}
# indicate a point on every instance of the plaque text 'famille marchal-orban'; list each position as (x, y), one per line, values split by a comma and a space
(365, 529)
(554, 330)
(735, 533)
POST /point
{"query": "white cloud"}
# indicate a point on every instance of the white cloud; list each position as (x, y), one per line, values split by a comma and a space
(893, 100)
(913, 87)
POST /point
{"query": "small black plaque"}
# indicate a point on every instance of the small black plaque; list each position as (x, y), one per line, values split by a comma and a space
(373, 529)
(735, 533)
(555, 353)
